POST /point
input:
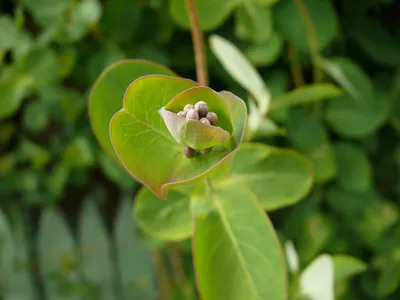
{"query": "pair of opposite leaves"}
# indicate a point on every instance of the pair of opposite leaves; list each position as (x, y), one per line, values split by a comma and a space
(147, 135)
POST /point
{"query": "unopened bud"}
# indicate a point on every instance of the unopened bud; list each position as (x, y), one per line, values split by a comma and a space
(181, 114)
(202, 108)
(192, 115)
(189, 152)
(212, 117)
(187, 108)
(205, 121)
(206, 151)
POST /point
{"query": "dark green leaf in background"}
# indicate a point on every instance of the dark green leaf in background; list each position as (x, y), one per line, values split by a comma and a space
(134, 258)
(291, 24)
(211, 12)
(354, 169)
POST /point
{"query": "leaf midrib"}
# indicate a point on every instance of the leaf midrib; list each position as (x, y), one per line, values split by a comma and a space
(235, 246)
(148, 126)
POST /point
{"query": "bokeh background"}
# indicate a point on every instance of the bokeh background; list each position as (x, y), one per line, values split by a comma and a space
(66, 228)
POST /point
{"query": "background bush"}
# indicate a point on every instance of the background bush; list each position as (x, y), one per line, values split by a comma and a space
(66, 230)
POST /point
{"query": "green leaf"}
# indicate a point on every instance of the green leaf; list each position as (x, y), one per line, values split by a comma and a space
(359, 112)
(108, 92)
(167, 219)
(146, 147)
(134, 259)
(292, 25)
(16, 279)
(376, 41)
(47, 11)
(9, 35)
(13, 91)
(277, 177)
(309, 136)
(239, 67)
(56, 255)
(346, 266)
(212, 13)
(95, 250)
(233, 258)
(35, 117)
(266, 53)
(253, 22)
(306, 94)
(354, 169)
(121, 18)
(84, 14)
(317, 280)
(388, 281)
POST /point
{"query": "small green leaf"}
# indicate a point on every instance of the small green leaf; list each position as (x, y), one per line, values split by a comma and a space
(310, 137)
(108, 91)
(47, 11)
(376, 41)
(291, 22)
(134, 259)
(16, 278)
(306, 94)
(277, 177)
(346, 266)
(359, 112)
(317, 280)
(388, 281)
(167, 219)
(120, 19)
(146, 147)
(9, 35)
(266, 53)
(231, 252)
(253, 22)
(239, 67)
(12, 91)
(212, 13)
(95, 250)
(56, 255)
(354, 169)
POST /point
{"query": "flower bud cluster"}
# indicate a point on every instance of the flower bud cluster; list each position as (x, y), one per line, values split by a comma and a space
(198, 112)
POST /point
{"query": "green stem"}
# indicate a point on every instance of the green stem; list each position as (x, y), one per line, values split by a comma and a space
(311, 39)
(198, 44)
(295, 67)
(162, 276)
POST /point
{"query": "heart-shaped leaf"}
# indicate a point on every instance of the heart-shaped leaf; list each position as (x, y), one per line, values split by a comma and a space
(108, 91)
(146, 147)
(266, 171)
(235, 259)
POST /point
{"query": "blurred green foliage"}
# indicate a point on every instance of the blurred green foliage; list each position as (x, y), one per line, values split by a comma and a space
(51, 52)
